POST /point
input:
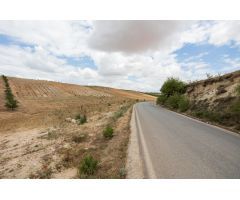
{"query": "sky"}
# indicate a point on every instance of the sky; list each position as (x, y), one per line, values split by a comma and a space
(136, 55)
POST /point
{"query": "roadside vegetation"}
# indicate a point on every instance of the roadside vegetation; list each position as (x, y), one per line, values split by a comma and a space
(108, 132)
(11, 102)
(88, 166)
(81, 119)
(225, 111)
(172, 95)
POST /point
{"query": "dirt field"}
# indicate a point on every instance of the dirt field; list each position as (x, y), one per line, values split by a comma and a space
(41, 138)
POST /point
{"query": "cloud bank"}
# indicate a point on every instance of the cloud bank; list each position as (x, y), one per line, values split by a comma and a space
(137, 55)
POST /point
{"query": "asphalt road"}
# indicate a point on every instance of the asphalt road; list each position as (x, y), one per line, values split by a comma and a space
(175, 146)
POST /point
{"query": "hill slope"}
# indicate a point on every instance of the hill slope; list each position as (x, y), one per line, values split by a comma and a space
(216, 99)
(42, 103)
(43, 139)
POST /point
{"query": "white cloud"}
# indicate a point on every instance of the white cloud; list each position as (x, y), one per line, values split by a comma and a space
(58, 37)
(40, 64)
(120, 49)
(223, 32)
(135, 36)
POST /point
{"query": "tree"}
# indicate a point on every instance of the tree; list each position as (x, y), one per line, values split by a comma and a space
(11, 102)
(173, 86)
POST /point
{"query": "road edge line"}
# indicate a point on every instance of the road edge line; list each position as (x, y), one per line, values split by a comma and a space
(148, 163)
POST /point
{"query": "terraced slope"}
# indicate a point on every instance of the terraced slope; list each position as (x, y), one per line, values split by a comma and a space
(34, 89)
(43, 103)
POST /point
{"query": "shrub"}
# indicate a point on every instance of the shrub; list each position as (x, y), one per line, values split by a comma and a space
(118, 114)
(10, 100)
(88, 166)
(183, 104)
(172, 101)
(108, 132)
(161, 99)
(122, 172)
(81, 119)
(173, 86)
(210, 115)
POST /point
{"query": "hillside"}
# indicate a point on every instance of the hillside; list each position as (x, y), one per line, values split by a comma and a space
(215, 90)
(43, 137)
(216, 99)
(40, 100)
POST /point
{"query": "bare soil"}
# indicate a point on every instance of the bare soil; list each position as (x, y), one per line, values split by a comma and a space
(39, 141)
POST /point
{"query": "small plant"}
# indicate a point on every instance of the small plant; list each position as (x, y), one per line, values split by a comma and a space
(122, 172)
(81, 119)
(108, 132)
(88, 166)
(118, 114)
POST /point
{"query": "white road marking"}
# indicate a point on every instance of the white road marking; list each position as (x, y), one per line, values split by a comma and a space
(146, 156)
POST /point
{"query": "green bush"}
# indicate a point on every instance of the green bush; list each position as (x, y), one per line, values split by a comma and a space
(81, 119)
(88, 166)
(108, 132)
(183, 104)
(161, 99)
(172, 101)
(173, 86)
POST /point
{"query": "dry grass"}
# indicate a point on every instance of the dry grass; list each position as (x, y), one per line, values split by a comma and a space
(36, 141)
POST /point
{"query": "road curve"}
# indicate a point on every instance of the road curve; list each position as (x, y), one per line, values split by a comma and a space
(175, 146)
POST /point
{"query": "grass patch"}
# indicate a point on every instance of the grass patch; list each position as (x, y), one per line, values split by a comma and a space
(81, 119)
(88, 166)
(108, 132)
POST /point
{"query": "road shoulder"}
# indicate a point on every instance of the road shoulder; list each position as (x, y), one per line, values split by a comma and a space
(134, 161)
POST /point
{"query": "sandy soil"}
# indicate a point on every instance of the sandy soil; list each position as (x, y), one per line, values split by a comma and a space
(52, 152)
(36, 140)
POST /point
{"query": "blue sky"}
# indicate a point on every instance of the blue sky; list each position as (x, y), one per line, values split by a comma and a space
(8, 40)
(212, 55)
(83, 61)
(138, 55)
